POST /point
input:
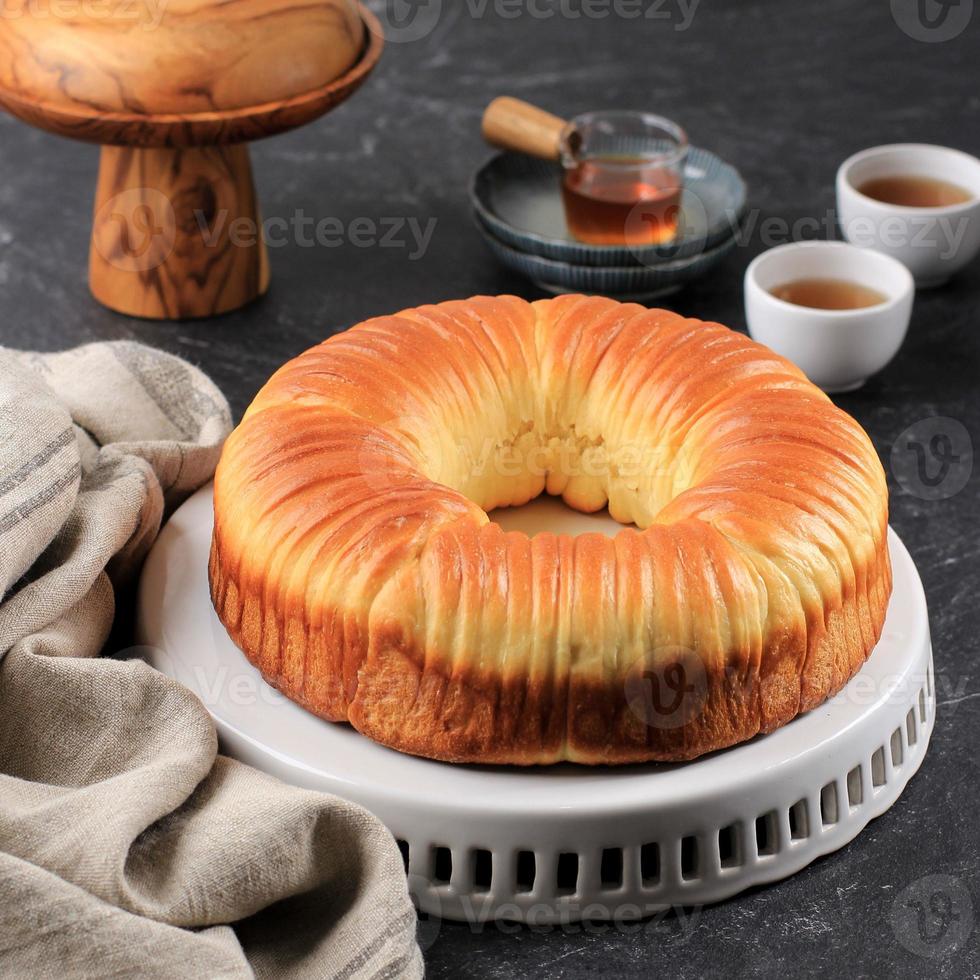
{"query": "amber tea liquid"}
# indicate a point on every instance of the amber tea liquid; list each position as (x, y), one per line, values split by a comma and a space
(619, 201)
(915, 192)
(828, 294)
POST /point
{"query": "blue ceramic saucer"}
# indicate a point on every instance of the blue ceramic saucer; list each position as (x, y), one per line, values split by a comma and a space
(518, 200)
(634, 282)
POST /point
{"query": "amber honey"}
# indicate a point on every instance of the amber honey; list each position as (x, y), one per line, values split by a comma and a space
(620, 201)
(828, 294)
(910, 191)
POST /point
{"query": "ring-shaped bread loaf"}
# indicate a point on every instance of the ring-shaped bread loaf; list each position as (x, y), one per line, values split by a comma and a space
(354, 563)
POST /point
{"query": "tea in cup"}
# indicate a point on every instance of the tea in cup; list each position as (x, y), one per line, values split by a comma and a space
(838, 312)
(916, 202)
(622, 174)
(623, 178)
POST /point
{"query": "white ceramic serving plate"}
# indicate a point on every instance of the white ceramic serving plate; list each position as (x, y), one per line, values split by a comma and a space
(566, 842)
(837, 349)
(933, 243)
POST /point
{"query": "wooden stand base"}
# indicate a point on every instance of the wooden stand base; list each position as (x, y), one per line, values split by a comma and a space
(176, 232)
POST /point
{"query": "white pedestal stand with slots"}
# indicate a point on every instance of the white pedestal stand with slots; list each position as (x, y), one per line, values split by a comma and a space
(566, 842)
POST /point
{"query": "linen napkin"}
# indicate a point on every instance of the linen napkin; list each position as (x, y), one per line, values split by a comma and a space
(128, 847)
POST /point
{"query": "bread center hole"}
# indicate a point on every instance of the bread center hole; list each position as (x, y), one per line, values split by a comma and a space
(544, 514)
(627, 479)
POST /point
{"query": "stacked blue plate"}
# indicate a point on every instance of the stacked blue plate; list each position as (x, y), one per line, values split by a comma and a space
(518, 209)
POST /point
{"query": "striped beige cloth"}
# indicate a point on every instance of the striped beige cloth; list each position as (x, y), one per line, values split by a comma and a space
(128, 847)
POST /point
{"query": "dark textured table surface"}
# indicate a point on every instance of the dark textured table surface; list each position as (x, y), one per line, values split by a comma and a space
(784, 91)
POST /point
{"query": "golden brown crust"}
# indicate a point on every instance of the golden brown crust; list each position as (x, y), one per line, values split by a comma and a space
(354, 563)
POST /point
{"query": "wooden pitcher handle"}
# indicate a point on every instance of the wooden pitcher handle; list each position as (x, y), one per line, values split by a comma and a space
(516, 125)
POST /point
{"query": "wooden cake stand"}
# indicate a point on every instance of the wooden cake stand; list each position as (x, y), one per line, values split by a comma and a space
(173, 91)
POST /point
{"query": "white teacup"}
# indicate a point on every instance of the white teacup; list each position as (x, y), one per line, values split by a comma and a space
(837, 349)
(933, 242)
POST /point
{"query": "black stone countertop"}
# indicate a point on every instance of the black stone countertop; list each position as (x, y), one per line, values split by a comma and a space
(785, 92)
